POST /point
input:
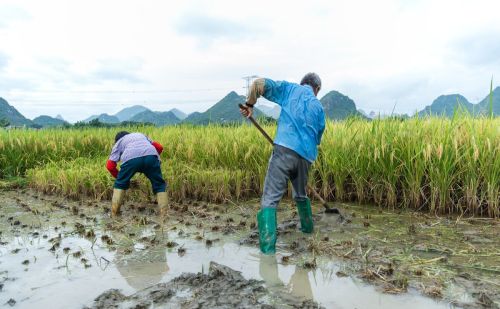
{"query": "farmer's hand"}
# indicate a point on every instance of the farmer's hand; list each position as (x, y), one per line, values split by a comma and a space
(246, 111)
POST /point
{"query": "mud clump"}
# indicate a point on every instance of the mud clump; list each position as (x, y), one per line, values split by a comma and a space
(221, 288)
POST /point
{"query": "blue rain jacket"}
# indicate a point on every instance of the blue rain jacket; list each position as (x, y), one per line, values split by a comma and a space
(302, 119)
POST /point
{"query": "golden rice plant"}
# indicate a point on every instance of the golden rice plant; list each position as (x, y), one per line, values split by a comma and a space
(435, 164)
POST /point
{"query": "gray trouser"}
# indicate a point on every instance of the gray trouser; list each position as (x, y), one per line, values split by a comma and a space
(285, 164)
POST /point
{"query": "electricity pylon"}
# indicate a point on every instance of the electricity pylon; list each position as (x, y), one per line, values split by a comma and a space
(249, 79)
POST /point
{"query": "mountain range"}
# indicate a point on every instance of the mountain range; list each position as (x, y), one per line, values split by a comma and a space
(10, 115)
(337, 106)
(156, 118)
(105, 118)
(446, 105)
(179, 114)
(47, 121)
(139, 113)
(129, 112)
(225, 111)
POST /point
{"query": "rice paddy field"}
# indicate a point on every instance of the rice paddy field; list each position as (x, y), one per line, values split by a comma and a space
(434, 165)
(419, 198)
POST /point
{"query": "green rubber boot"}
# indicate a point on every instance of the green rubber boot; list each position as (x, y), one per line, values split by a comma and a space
(266, 219)
(305, 214)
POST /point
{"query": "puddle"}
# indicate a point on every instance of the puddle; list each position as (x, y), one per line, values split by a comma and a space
(48, 261)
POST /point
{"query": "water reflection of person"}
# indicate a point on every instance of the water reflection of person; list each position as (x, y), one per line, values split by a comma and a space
(299, 284)
(143, 268)
(268, 270)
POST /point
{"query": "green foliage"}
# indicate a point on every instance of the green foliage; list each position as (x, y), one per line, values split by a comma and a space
(13, 183)
(4, 122)
(491, 98)
(94, 123)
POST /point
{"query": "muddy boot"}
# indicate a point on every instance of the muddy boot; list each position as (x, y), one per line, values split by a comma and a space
(162, 199)
(117, 201)
(266, 219)
(305, 214)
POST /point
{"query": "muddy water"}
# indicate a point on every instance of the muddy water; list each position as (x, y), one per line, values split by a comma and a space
(60, 254)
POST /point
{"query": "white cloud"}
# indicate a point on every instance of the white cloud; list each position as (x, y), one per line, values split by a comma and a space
(4, 60)
(481, 49)
(88, 57)
(210, 30)
(10, 14)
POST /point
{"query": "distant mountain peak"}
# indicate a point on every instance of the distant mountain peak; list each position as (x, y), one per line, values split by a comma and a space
(10, 114)
(179, 114)
(484, 107)
(104, 118)
(232, 96)
(129, 112)
(156, 118)
(455, 96)
(446, 105)
(47, 121)
(224, 111)
(338, 106)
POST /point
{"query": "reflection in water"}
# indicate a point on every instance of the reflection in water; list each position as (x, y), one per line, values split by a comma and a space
(142, 268)
(299, 284)
(268, 270)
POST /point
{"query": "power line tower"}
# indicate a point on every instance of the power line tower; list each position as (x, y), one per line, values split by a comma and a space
(249, 79)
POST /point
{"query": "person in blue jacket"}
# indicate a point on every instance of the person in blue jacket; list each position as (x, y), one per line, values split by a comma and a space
(300, 128)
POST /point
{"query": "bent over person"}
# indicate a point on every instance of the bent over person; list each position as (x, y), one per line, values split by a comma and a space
(138, 154)
(300, 127)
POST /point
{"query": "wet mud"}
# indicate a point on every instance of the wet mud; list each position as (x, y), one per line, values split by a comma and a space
(65, 254)
(221, 288)
(457, 260)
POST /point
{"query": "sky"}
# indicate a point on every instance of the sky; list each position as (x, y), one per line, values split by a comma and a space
(79, 58)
